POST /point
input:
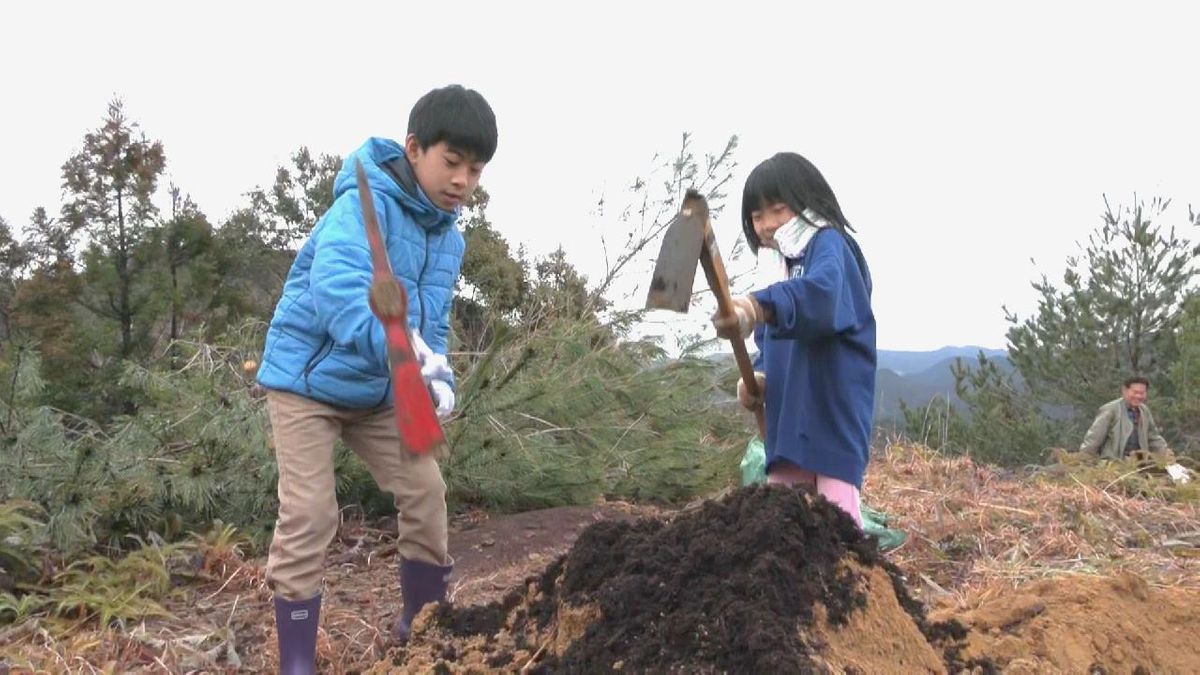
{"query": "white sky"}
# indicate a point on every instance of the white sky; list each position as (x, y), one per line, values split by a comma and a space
(961, 140)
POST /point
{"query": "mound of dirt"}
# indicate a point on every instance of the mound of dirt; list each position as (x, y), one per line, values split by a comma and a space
(765, 580)
(1085, 624)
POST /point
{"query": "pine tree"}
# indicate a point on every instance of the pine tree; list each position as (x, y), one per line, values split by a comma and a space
(1115, 315)
(300, 195)
(493, 284)
(1118, 312)
(111, 182)
(48, 241)
(179, 251)
(14, 258)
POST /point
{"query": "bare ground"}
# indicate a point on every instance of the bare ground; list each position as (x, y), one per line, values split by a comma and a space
(983, 543)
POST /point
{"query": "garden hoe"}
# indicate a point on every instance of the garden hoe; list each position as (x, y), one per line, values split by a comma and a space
(689, 239)
(416, 419)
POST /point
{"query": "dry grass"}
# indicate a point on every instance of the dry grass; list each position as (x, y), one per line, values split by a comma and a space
(209, 572)
(222, 620)
(977, 528)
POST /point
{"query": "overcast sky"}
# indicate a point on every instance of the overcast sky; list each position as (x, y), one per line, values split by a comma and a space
(961, 140)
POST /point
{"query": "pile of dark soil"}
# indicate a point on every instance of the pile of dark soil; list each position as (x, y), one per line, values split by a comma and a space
(767, 579)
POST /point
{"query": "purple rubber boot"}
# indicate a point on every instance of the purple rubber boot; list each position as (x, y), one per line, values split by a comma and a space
(296, 625)
(420, 584)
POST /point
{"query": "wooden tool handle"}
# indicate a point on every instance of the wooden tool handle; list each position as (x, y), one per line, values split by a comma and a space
(718, 281)
(416, 420)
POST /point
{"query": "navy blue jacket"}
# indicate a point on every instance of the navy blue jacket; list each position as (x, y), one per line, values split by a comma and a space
(818, 354)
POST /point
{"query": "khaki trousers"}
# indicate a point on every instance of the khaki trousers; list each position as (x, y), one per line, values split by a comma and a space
(304, 432)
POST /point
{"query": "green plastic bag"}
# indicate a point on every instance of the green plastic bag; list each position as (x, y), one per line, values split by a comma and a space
(875, 524)
(754, 471)
(754, 463)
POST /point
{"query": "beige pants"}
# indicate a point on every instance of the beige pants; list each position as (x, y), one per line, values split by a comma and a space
(305, 432)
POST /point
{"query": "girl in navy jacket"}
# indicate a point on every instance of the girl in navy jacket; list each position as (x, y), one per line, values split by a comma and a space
(815, 332)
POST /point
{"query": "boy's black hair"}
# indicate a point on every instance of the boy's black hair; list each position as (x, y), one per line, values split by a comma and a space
(457, 115)
(1136, 379)
(793, 180)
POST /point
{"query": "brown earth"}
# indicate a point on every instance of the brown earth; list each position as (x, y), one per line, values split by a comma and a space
(880, 638)
(765, 580)
(850, 608)
(222, 622)
(1085, 624)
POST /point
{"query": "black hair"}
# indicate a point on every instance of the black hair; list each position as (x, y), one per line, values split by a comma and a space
(457, 115)
(790, 179)
(1136, 379)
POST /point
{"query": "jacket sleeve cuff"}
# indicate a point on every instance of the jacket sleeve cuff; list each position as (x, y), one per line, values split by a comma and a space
(765, 304)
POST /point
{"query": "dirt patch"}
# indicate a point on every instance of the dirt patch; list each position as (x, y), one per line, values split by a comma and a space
(1000, 527)
(765, 580)
(880, 638)
(494, 555)
(1084, 624)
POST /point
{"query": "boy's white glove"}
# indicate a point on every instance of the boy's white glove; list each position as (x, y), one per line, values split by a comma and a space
(443, 398)
(435, 370)
(434, 366)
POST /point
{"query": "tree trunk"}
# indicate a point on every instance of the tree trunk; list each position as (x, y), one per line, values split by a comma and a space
(123, 311)
(174, 301)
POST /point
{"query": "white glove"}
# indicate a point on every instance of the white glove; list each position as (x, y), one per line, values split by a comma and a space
(443, 398)
(746, 313)
(422, 350)
(434, 366)
(435, 370)
(748, 402)
(1179, 473)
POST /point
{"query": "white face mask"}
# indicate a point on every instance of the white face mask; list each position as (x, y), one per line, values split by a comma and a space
(793, 236)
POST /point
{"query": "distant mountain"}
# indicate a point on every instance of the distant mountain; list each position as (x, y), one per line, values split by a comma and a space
(918, 388)
(913, 377)
(906, 363)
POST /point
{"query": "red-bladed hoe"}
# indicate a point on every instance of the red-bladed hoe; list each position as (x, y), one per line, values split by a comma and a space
(416, 419)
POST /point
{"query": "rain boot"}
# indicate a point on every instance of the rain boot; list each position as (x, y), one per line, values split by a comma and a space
(420, 584)
(296, 626)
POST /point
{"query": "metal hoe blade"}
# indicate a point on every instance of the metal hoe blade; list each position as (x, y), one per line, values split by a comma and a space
(675, 269)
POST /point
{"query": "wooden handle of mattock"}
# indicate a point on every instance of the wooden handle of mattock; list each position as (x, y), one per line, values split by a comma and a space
(718, 281)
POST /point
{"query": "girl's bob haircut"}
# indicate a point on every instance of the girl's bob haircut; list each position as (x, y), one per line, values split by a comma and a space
(790, 179)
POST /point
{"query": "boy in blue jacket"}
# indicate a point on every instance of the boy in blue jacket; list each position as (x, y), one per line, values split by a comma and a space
(325, 365)
(815, 332)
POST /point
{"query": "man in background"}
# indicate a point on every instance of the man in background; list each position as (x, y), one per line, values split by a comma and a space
(1125, 427)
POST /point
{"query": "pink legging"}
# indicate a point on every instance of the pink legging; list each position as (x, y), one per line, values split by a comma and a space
(841, 493)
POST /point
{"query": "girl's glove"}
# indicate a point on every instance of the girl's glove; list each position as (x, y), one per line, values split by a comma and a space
(746, 313)
(749, 402)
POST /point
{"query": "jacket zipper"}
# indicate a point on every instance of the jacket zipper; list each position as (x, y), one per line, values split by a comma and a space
(316, 359)
(421, 305)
